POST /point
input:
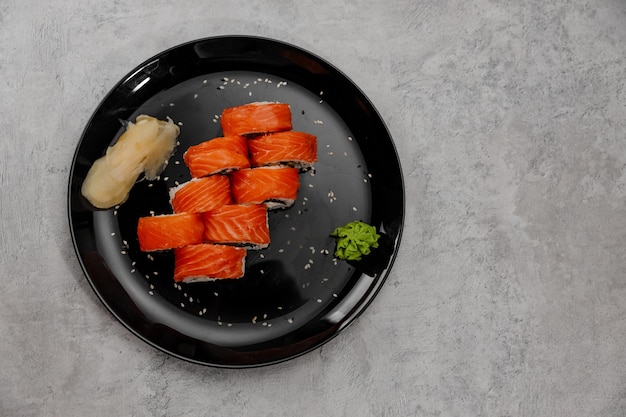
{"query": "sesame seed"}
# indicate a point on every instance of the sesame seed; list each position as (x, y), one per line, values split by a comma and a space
(151, 292)
(264, 316)
(353, 208)
(195, 96)
(166, 178)
(123, 252)
(290, 320)
(115, 212)
(264, 324)
(254, 320)
(221, 87)
(215, 294)
(230, 325)
(172, 104)
(250, 93)
(335, 295)
(112, 233)
(182, 304)
(281, 250)
(318, 122)
(310, 185)
(319, 300)
(205, 81)
(261, 256)
(177, 162)
(132, 271)
(150, 185)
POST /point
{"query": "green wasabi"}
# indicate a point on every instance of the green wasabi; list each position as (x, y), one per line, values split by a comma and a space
(354, 240)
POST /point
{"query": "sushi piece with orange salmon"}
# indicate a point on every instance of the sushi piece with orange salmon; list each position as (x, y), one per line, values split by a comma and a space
(297, 149)
(254, 118)
(208, 262)
(169, 231)
(201, 194)
(241, 225)
(274, 186)
(217, 155)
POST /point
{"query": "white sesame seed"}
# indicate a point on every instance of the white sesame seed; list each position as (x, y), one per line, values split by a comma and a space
(281, 250)
(151, 292)
(310, 185)
(215, 294)
(264, 324)
(112, 233)
(150, 185)
(195, 96)
(250, 93)
(182, 305)
(334, 295)
(172, 104)
(353, 208)
(230, 325)
(132, 271)
(290, 320)
(319, 300)
(205, 81)
(254, 319)
(261, 256)
(123, 252)
(177, 162)
(166, 178)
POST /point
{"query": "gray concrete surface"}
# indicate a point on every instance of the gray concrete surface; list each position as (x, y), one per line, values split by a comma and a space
(508, 297)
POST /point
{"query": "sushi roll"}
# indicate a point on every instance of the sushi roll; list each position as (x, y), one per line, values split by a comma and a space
(201, 194)
(217, 155)
(297, 149)
(208, 262)
(275, 186)
(260, 117)
(242, 225)
(169, 231)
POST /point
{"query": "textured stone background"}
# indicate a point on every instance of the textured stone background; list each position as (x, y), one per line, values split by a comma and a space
(508, 296)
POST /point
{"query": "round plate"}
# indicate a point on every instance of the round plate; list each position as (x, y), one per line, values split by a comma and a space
(295, 295)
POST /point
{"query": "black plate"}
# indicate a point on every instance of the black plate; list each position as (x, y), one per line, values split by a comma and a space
(294, 296)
